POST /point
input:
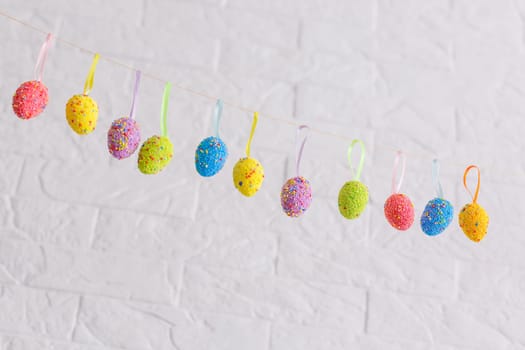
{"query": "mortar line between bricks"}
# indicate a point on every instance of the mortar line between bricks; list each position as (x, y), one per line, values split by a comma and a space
(94, 227)
(367, 312)
(123, 299)
(126, 210)
(77, 316)
(40, 337)
(19, 180)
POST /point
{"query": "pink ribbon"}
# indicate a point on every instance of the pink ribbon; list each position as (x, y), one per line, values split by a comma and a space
(42, 56)
(396, 185)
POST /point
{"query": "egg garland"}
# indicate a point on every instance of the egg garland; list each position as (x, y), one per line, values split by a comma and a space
(82, 110)
(473, 219)
(248, 173)
(296, 193)
(211, 153)
(398, 209)
(124, 133)
(438, 212)
(31, 97)
(156, 152)
(353, 195)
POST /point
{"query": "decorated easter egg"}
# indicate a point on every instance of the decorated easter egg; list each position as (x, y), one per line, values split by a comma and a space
(210, 156)
(353, 198)
(248, 176)
(82, 114)
(474, 221)
(399, 211)
(30, 99)
(123, 137)
(296, 196)
(436, 216)
(155, 154)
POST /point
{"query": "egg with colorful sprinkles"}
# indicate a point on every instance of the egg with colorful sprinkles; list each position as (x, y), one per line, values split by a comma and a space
(30, 99)
(474, 221)
(353, 198)
(296, 196)
(436, 216)
(210, 156)
(399, 211)
(123, 137)
(248, 176)
(82, 114)
(155, 154)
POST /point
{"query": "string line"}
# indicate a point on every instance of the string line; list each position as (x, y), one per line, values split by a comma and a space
(192, 91)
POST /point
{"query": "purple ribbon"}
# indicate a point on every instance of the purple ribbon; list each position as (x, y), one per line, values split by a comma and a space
(135, 91)
(301, 146)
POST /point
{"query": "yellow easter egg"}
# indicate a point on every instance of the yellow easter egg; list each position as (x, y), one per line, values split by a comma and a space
(155, 154)
(474, 221)
(248, 176)
(82, 114)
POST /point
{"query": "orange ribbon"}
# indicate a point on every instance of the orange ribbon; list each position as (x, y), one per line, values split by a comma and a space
(475, 196)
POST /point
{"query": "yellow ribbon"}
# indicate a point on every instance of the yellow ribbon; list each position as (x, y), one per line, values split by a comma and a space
(91, 75)
(254, 124)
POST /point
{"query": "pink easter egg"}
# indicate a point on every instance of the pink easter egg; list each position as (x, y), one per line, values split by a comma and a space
(30, 99)
(399, 211)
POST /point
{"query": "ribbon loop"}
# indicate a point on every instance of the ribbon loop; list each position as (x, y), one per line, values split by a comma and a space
(476, 193)
(396, 186)
(300, 146)
(42, 56)
(91, 75)
(135, 92)
(435, 178)
(217, 114)
(357, 174)
(164, 110)
(254, 124)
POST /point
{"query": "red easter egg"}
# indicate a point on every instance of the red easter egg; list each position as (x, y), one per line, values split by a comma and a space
(30, 99)
(399, 211)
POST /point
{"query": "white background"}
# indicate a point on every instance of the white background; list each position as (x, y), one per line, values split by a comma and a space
(95, 255)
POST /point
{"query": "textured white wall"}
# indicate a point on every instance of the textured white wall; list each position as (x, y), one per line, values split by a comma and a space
(94, 255)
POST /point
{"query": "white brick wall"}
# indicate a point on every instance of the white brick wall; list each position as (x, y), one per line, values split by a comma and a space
(96, 256)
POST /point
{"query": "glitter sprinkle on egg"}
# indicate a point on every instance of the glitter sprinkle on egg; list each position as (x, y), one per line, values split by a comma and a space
(123, 137)
(155, 154)
(210, 156)
(30, 99)
(248, 176)
(296, 196)
(436, 216)
(82, 114)
(399, 211)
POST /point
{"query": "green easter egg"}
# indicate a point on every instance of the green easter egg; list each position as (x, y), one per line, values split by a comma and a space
(353, 198)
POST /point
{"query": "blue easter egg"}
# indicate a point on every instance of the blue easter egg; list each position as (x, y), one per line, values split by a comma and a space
(210, 156)
(437, 216)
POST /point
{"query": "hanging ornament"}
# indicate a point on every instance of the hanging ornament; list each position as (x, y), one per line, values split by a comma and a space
(296, 193)
(353, 196)
(82, 110)
(124, 133)
(248, 173)
(473, 219)
(156, 153)
(438, 212)
(211, 154)
(399, 210)
(30, 99)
